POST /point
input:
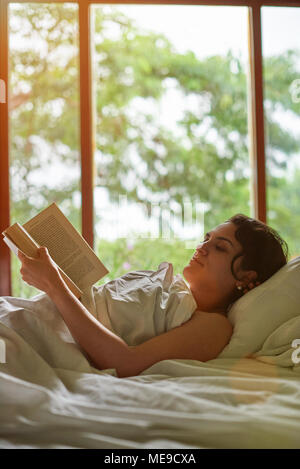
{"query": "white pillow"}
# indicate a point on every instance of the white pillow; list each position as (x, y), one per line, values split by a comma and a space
(262, 310)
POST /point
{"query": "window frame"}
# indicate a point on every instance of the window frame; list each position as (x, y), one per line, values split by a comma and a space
(256, 113)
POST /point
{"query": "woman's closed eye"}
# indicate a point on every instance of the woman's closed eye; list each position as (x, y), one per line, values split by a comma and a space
(219, 247)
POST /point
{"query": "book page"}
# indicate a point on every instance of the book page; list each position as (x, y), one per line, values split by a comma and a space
(11, 245)
(22, 239)
(66, 246)
(17, 239)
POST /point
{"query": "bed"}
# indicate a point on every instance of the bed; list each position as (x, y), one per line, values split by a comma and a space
(249, 397)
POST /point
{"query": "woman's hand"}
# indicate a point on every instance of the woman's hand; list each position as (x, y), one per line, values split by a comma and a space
(40, 272)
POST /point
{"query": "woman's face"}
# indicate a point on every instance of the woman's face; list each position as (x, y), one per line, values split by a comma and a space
(209, 271)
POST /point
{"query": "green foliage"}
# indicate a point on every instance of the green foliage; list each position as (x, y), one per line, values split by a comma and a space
(123, 255)
(284, 208)
(45, 105)
(206, 159)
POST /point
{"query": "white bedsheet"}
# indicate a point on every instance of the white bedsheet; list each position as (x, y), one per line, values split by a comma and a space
(50, 396)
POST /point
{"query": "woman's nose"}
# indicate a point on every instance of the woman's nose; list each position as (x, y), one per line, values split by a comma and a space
(202, 248)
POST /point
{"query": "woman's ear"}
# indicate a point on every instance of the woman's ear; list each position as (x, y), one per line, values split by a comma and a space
(249, 276)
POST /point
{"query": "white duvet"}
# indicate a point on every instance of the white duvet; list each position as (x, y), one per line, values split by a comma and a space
(50, 396)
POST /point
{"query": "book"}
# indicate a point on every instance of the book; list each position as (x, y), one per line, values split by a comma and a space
(77, 263)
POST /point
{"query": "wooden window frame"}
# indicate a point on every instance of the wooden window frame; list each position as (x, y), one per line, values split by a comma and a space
(256, 116)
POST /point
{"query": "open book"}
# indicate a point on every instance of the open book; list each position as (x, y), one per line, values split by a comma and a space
(77, 263)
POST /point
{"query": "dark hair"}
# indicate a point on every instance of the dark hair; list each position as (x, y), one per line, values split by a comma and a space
(263, 249)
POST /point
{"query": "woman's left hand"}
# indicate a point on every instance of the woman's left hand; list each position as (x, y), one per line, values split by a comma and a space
(40, 272)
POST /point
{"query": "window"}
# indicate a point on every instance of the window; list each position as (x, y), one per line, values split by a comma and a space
(44, 114)
(281, 52)
(171, 127)
(150, 140)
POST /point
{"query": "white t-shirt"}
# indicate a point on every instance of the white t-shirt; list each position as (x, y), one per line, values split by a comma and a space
(142, 304)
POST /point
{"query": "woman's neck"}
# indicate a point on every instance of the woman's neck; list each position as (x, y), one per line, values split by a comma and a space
(207, 305)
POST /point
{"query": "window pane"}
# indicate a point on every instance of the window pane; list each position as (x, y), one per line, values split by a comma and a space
(170, 86)
(44, 115)
(281, 52)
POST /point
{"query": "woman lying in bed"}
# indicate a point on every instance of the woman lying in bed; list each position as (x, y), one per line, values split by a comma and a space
(232, 259)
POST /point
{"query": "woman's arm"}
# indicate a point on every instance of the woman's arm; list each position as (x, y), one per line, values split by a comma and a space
(201, 338)
(105, 349)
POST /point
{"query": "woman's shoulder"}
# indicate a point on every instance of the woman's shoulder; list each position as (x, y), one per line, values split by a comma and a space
(208, 333)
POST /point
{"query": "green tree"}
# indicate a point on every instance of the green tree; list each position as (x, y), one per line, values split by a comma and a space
(207, 160)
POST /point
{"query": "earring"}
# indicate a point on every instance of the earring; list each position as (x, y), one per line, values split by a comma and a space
(239, 287)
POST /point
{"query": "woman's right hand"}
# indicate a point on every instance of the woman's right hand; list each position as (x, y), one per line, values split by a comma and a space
(40, 272)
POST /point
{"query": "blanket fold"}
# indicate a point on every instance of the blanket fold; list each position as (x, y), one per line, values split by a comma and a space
(142, 304)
